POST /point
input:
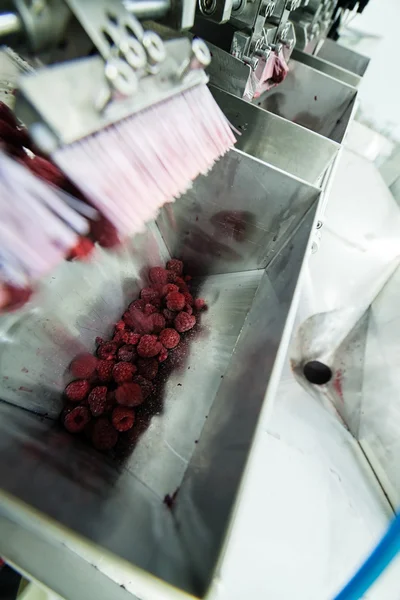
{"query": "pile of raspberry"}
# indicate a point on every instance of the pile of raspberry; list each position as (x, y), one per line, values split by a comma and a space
(108, 387)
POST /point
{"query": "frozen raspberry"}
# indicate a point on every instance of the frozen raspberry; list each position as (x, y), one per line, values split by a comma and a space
(188, 309)
(110, 402)
(158, 275)
(175, 301)
(131, 338)
(157, 322)
(168, 289)
(175, 265)
(99, 340)
(104, 369)
(169, 338)
(123, 418)
(149, 346)
(149, 309)
(97, 400)
(169, 315)
(184, 322)
(82, 249)
(77, 391)
(119, 325)
(200, 304)
(83, 366)
(182, 285)
(145, 385)
(148, 368)
(104, 436)
(138, 304)
(163, 355)
(188, 298)
(107, 351)
(171, 276)
(119, 337)
(150, 296)
(77, 419)
(129, 394)
(123, 371)
(128, 319)
(127, 353)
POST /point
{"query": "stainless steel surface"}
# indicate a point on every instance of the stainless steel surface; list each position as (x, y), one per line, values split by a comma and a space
(277, 141)
(243, 231)
(328, 68)
(63, 97)
(343, 57)
(227, 72)
(312, 99)
(237, 218)
(10, 24)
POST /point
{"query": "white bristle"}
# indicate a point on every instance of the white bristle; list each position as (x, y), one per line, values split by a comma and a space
(37, 228)
(131, 169)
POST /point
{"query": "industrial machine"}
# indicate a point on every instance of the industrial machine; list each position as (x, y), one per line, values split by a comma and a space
(70, 517)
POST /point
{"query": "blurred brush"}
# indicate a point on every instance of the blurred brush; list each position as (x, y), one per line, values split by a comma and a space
(37, 227)
(131, 169)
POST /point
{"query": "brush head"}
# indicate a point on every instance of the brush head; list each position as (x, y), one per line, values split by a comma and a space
(134, 154)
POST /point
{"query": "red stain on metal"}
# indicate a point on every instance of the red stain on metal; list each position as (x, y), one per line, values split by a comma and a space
(24, 370)
(337, 384)
(24, 389)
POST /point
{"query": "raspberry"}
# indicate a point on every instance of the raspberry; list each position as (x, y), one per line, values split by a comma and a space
(145, 385)
(138, 304)
(148, 368)
(171, 276)
(182, 285)
(119, 337)
(169, 338)
(77, 419)
(123, 371)
(150, 296)
(119, 325)
(200, 304)
(175, 265)
(123, 418)
(168, 289)
(175, 301)
(104, 369)
(158, 322)
(99, 340)
(97, 400)
(82, 249)
(149, 346)
(83, 366)
(163, 355)
(131, 338)
(169, 315)
(188, 298)
(129, 394)
(158, 275)
(184, 322)
(188, 309)
(107, 351)
(110, 402)
(104, 436)
(127, 353)
(77, 391)
(128, 320)
(149, 309)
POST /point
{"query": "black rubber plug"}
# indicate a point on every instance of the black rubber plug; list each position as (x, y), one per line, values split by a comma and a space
(317, 372)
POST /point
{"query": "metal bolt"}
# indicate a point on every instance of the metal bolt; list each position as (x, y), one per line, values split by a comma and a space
(208, 7)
